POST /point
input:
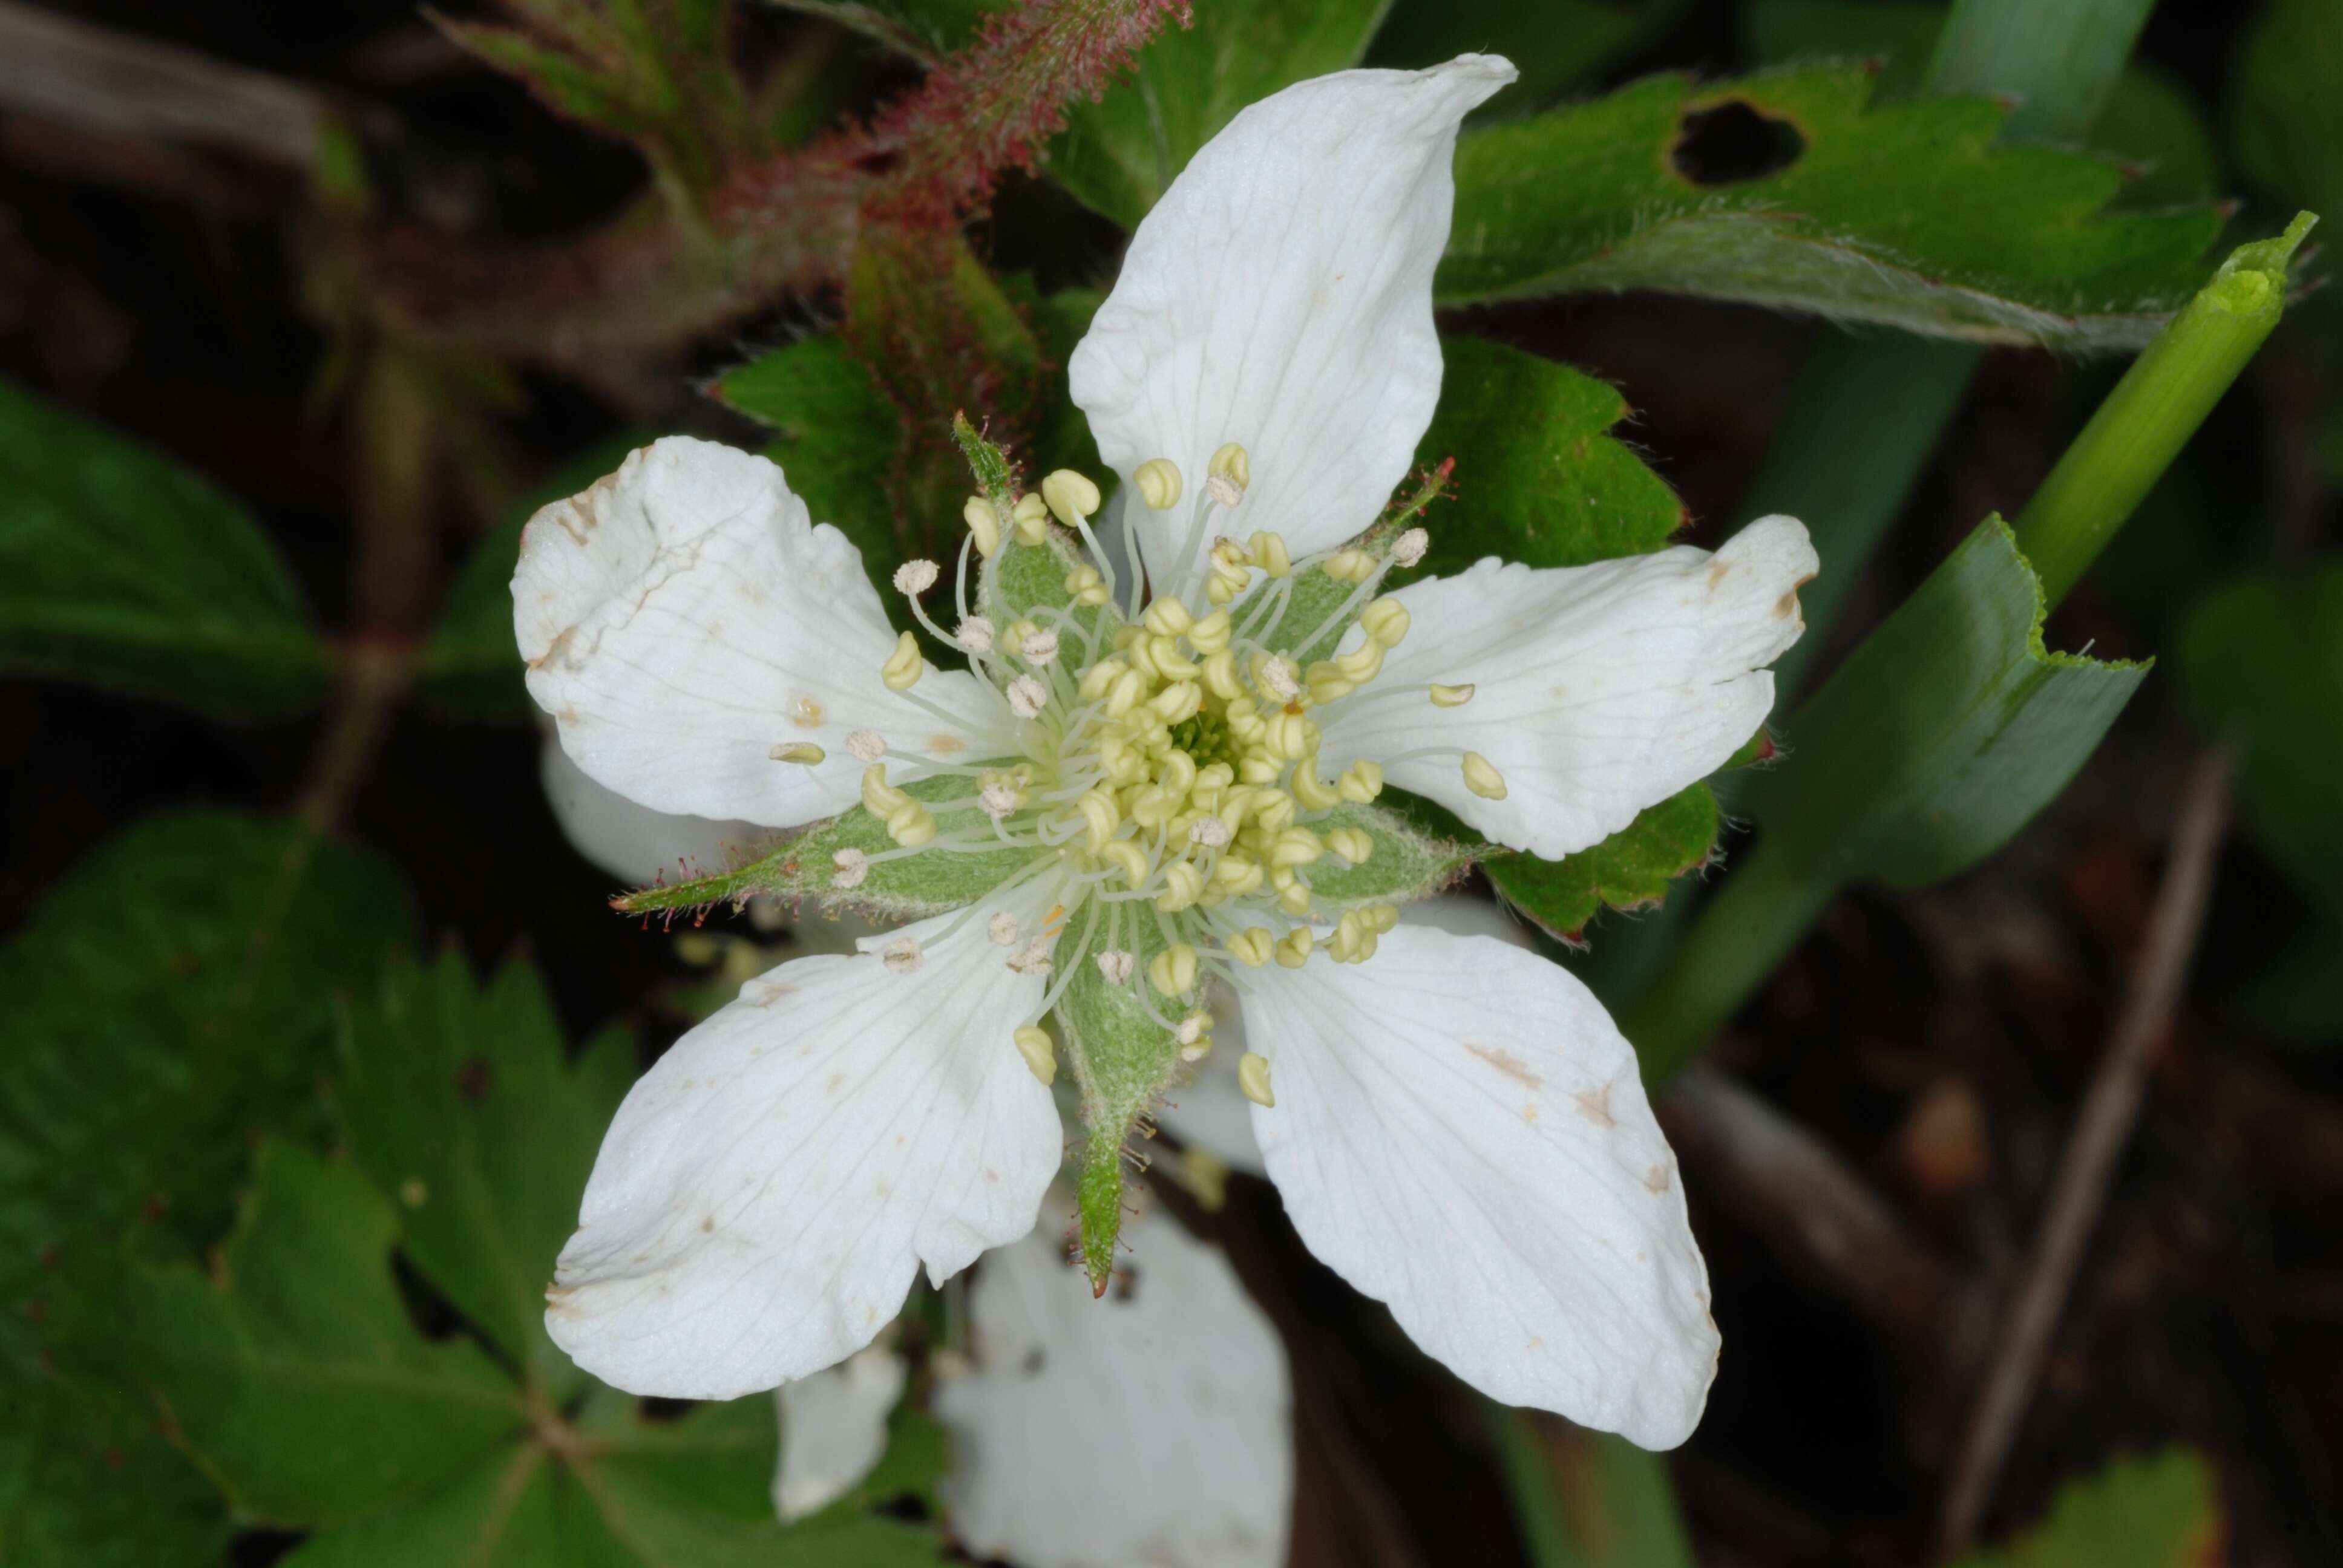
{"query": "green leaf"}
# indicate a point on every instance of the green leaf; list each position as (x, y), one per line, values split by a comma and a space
(1555, 44)
(458, 1104)
(1789, 189)
(2285, 104)
(2158, 1511)
(1935, 741)
(2261, 661)
(120, 570)
(1538, 476)
(908, 888)
(167, 1001)
(470, 667)
(1944, 734)
(1405, 865)
(298, 1378)
(1119, 153)
(1631, 869)
(837, 439)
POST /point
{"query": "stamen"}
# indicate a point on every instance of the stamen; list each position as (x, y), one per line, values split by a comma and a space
(983, 521)
(848, 867)
(1040, 1052)
(867, 745)
(804, 752)
(974, 634)
(1116, 965)
(1409, 548)
(1252, 1076)
(1482, 779)
(904, 666)
(1002, 929)
(903, 955)
(1027, 697)
(1452, 696)
(916, 577)
(1158, 482)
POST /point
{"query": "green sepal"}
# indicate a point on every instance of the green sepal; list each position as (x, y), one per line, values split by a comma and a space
(1122, 1061)
(996, 475)
(912, 887)
(1320, 608)
(1030, 579)
(1631, 869)
(1407, 864)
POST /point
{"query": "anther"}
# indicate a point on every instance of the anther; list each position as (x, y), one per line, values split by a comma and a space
(974, 634)
(1209, 831)
(983, 519)
(1173, 972)
(902, 955)
(1182, 885)
(1293, 948)
(1157, 482)
(1276, 676)
(1352, 844)
(1032, 959)
(998, 796)
(1452, 696)
(1251, 947)
(1039, 647)
(1231, 463)
(1385, 620)
(804, 752)
(1360, 782)
(1027, 697)
(904, 666)
(847, 868)
(1128, 859)
(1350, 565)
(867, 745)
(1269, 553)
(1032, 517)
(1086, 585)
(1409, 548)
(1482, 779)
(1212, 634)
(1040, 1052)
(1115, 965)
(916, 577)
(1168, 617)
(1252, 1076)
(1071, 495)
(1194, 1033)
(1002, 929)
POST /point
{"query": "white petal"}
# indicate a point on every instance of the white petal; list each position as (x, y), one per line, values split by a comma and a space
(634, 843)
(1213, 1114)
(684, 617)
(768, 1189)
(1149, 1428)
(834, 1430)
(1280, 296)
(1461, 1132)
(1599, 689)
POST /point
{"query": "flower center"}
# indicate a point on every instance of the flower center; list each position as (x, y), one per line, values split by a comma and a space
(1170, 777)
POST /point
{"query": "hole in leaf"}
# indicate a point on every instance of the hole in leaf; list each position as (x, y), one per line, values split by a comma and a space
(1733, 143)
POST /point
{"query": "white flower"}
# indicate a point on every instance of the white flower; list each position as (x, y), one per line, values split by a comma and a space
(834, 1430)
(1455, 1124)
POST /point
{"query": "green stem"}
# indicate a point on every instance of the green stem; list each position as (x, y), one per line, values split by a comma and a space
(2154, 410)
(1743, 934)
(2058, 58)
(1529, 1486)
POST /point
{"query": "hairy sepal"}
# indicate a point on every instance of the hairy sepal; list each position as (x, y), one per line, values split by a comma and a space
(1406, 864)
(1122, 1061)
(1322, 608)
(806, 868)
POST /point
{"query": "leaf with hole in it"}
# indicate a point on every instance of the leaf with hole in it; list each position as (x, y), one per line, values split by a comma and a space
(119, 569)
(1631, 869)
(2261, 659)
(458, 1103)
(1539, 479)
(1791, 189)
(1119, 154)
(299, 1379)
(2156, 1511)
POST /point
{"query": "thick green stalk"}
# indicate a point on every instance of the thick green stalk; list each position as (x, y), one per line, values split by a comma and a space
(2154, 410)
(2059, 59)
